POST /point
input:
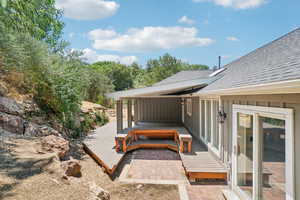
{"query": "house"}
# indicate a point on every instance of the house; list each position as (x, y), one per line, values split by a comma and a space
(247, 114)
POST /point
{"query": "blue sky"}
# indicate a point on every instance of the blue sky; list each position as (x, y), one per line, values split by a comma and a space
(196, 31)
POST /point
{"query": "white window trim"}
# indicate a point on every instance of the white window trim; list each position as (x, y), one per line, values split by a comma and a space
(210, 111)
(189, 106)
(279, 113)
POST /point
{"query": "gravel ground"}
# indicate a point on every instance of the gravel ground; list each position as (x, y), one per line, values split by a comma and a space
(27, 174)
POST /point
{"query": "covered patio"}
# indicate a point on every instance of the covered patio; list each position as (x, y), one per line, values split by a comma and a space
(155, 118)
(197, 162)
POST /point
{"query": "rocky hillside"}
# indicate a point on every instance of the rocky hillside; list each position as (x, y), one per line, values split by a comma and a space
(23, 119)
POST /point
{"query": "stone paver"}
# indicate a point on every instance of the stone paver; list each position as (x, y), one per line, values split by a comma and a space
(205, 192)
(165, 167)
(157, 165)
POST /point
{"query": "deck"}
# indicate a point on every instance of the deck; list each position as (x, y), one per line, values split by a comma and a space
(101, 146)
(201, 164)
(198, 164)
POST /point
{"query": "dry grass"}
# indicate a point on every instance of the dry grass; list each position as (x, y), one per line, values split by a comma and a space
(25, 174)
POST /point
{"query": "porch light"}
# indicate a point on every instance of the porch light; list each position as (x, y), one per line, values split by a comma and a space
(222, 116)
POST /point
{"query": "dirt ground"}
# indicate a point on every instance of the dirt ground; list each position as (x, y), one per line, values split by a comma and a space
(27, 174)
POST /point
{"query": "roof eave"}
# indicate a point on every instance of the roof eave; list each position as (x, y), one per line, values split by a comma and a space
(282, 87)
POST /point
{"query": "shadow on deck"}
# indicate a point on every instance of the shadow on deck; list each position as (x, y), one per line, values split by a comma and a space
(199, 164)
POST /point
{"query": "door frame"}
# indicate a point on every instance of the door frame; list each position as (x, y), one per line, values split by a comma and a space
(285, 114)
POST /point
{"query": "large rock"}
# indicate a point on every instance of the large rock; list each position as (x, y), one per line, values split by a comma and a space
(12, 123)
(71, 168)
(55, 144)
(9, 106)
(3, 89)
(32, 129)
(98, 193)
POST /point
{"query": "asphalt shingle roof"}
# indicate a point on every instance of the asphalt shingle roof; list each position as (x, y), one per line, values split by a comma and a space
(178, 82)
(184, 76)
(274, 62)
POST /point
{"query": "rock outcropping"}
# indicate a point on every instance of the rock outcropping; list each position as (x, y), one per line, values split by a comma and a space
(13, 119)
(55, 144)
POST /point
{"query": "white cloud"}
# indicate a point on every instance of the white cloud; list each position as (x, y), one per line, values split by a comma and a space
(237, 4)
(92, 56)
(150, 39)
(101, 33)
(87, 9)
(232, 38)
(186, 20)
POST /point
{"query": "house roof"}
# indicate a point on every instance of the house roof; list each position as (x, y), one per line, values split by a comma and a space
(184, 76)
(275, 62)
(178, 82)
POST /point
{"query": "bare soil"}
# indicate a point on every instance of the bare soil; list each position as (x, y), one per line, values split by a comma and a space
(25, 173)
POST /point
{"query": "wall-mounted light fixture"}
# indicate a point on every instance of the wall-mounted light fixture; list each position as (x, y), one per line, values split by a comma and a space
(222, 116)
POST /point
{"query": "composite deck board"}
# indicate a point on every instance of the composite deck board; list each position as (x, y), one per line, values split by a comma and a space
(102, 143)
(201, 160)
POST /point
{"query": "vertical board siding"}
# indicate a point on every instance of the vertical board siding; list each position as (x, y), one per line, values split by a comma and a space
(191, 122)
(159, 110)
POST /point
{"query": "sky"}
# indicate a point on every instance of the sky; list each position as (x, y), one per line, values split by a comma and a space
(195, 31)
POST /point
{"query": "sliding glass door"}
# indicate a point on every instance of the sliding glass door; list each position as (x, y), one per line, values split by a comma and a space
(273, 158)
(244, 154)
(263, 162)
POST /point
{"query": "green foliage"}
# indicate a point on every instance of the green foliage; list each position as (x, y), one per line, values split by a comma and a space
(134, 76)
(39, 18)
(165, 66)
(92, 120)
(122, 76)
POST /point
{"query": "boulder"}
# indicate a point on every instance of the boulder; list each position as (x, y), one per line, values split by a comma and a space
(32, 129)
(98, 193)
(71, 168)
(9, 106)
(55, 144)
(11, 123)
(3, 89)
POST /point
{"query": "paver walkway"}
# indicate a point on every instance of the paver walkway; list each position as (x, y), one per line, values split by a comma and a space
(165, 167)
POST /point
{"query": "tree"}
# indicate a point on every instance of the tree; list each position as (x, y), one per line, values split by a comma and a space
(165, 66)
(122, 76)
(39, 18)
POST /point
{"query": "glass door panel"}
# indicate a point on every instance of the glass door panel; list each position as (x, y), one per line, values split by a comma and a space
(245, 153)
(273, 158)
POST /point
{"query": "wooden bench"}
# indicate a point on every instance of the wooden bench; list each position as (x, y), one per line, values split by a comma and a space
(184, 137)
(179, 135)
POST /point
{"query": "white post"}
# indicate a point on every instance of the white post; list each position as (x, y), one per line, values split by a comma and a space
(129, 113)
(119, 110)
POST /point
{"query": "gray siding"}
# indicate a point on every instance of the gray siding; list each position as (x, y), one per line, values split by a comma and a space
(158, 109)
(192, 122)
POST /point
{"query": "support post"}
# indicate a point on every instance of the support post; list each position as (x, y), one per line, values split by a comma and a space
(136, 110)
(129, 113)
(119, 112)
